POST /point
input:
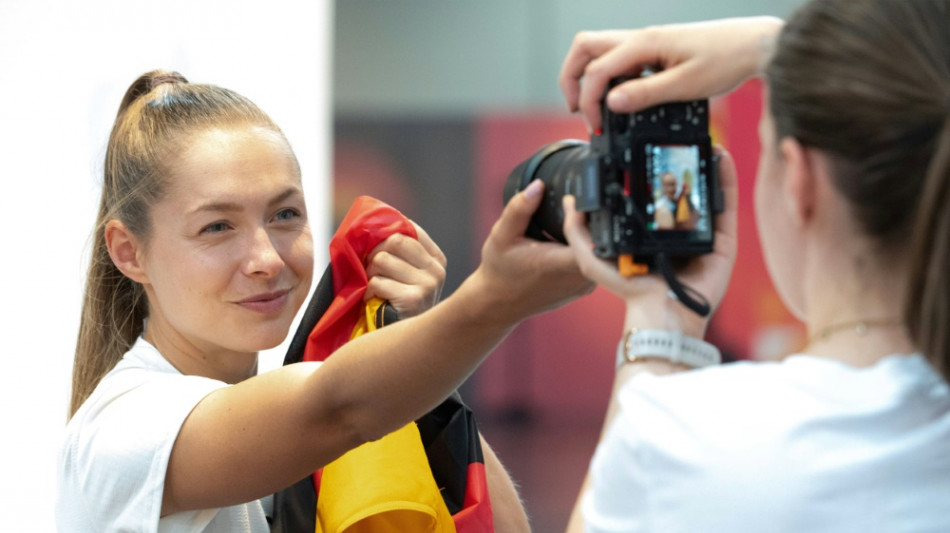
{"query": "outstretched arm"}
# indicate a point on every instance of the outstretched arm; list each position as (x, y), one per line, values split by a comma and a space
(508, 513)
(286, 423)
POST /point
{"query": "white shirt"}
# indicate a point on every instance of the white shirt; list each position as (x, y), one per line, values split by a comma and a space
(115, 453)
(808, 444)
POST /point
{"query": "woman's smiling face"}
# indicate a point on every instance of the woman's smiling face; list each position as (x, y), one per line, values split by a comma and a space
(229, 260)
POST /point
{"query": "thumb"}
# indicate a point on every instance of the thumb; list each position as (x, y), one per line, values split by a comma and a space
(727, 221)
(517, 214)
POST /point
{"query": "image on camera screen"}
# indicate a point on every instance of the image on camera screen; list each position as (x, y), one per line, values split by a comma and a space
(678, 187)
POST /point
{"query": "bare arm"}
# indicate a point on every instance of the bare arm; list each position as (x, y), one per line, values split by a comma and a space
(508, 513)
(254, 438)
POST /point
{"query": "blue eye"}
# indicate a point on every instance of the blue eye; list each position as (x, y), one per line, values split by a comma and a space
(287, 214)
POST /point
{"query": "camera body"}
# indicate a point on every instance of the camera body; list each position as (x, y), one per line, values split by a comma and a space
(648, 183)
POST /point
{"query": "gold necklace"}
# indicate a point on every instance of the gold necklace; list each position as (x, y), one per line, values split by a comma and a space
(860, 328)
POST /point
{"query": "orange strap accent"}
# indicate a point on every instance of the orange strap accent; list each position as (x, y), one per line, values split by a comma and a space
(628, 268)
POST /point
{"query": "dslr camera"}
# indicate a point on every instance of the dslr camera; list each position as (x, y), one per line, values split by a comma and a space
(648, 183)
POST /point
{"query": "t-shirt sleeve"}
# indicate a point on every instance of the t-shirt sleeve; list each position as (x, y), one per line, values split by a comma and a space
(625, 472)
(615, 500)
(115, 463)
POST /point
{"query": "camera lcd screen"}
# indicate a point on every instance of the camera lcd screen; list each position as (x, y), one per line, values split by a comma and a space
(676, 180)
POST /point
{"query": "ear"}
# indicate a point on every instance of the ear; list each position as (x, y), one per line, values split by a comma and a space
(799, 184)
(126, 251)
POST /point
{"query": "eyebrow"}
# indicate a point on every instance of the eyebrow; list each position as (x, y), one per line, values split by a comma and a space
(235, 207)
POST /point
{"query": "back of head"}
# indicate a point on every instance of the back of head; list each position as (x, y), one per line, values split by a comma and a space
(868, 83)
(158, 113)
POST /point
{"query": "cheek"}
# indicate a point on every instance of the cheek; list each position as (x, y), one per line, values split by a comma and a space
(298, 255)
(303, 257)
(184, 274)
(778, 240)
(759, 200)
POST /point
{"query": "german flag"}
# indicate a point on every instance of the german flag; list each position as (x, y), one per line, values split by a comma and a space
(426, 476)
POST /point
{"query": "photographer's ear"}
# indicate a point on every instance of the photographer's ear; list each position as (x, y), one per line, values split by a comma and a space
(126, 251)
(802, 171)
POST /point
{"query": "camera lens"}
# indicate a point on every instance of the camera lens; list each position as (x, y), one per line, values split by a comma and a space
(554, 164)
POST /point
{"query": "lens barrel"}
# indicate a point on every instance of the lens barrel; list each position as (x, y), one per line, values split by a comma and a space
(554, 164)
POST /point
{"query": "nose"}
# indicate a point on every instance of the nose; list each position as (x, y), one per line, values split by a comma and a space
(264, 259)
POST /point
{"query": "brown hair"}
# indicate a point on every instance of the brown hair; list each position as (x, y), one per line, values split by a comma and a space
(868, 83)
(157, 114)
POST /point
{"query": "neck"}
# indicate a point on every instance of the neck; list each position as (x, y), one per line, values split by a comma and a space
(193, 360)
(854, 305)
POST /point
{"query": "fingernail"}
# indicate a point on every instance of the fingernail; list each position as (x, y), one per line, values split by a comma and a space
(533, 189)
(590, 130)
(615, 100)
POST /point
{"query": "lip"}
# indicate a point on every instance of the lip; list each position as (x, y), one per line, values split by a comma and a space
(267, 303)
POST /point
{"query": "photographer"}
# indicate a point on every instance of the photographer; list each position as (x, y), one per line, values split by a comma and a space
(851, 194)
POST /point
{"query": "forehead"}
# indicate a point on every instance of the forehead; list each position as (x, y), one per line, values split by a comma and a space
(219, 161)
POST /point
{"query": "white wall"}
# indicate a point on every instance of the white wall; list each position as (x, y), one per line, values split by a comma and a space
(64, 67)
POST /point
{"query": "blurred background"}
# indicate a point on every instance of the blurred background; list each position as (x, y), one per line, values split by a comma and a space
(425, 104)
(434, 103)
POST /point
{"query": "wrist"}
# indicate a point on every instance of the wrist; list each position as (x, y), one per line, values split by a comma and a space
(483, 303)
(764, 42)
(661, 312)
(672, 347)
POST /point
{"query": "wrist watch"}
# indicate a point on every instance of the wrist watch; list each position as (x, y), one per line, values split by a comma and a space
(639, 344)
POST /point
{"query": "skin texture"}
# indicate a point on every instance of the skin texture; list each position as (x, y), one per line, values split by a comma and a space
(230, 259)
(825, 269)
(228, 264)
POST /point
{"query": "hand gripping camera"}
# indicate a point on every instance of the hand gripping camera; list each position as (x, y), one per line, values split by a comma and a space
(648, 183)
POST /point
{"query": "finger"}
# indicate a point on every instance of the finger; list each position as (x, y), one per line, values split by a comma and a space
(402, 296)
(579, 240)
(388, 265)
(642, 93)
(727, 221)
(514, 219)
(626, 59)
(404, 247)
(430, 246)
(586, 46)
(575, 225)
(376, 288)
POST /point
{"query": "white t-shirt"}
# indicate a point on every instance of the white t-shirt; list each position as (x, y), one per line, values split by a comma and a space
(115, 453)
(808, 444)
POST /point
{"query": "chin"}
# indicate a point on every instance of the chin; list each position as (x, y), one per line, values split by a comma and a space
(263, 340)
(268, 343)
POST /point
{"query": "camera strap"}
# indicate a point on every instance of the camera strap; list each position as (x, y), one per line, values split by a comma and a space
(687, 295)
